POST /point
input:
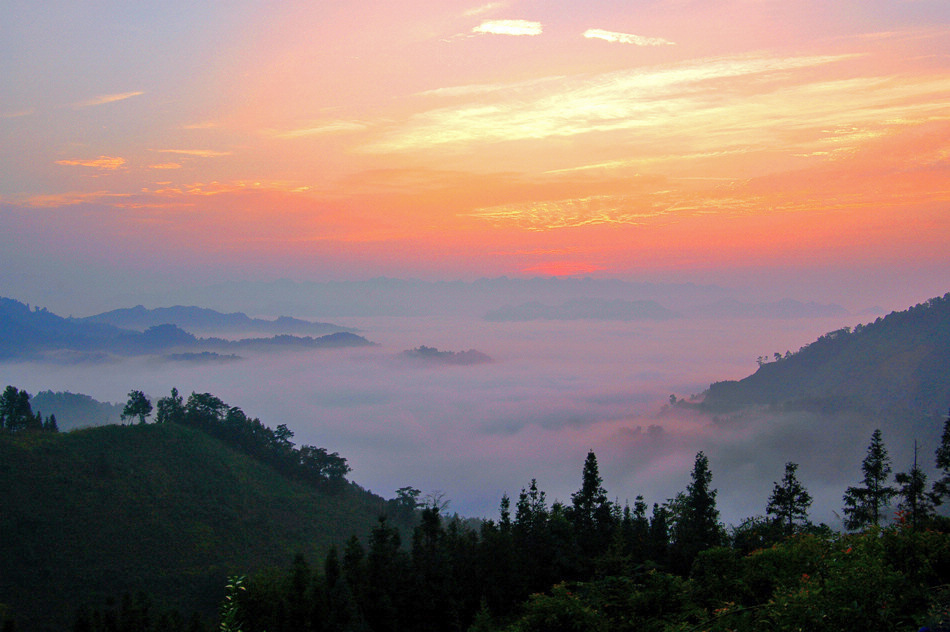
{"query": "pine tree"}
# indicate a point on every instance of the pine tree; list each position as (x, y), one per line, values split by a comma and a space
(697, 527)
(658, 544)
(789, 500)
(863, 505)
(590, 512)
(915, 502)
(941, 486)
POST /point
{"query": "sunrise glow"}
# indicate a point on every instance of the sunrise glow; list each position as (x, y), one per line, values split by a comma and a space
(463, 140)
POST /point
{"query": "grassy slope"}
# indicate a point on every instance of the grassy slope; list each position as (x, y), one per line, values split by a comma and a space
(164, 509)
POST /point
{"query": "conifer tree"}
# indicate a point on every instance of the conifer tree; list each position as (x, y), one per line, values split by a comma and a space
(789, 500)
(697, 528)
(941, 488)
(915, 502)
(591, 511)
(864, 505)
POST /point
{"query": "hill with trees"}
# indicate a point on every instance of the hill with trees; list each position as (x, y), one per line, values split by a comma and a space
(893, 368)
(167, 509)
(75, 410)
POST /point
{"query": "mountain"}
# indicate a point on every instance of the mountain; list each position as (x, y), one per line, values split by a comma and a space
(27, 331)
(161, 508)
(583, 309)
(74, 410)
(209, 321)
(431, 355)
(37, 332)
(897, 367)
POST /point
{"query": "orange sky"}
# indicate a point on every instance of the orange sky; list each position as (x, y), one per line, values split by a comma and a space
(457, 140)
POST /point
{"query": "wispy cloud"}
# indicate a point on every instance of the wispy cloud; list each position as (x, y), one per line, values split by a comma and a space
(485, 88)
(320, 129)
(485, 8)
(108, 163)
(599, 103)
(509, 27)
(55, 200)
(106, 98)
(567, 213)
(626, 38)
(200, 153)
(165, 165)
(201, 125)
(17, 113)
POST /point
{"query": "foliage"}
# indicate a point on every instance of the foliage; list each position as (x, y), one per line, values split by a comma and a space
(789, 500)
(16, 413)
(139, 406)
(696, 524)
(211, 415)
(915, 503)
(895, 368)
(159, 508)
(941, 487)
(864, 505)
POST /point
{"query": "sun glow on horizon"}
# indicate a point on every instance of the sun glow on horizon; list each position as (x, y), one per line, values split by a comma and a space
(421, 129)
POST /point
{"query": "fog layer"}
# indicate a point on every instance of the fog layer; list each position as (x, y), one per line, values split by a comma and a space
(555, 390)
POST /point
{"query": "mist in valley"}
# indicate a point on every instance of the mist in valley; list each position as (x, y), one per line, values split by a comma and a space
(554, 390)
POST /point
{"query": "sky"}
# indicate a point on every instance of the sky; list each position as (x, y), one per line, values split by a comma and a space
(723, 141)
(779, 149)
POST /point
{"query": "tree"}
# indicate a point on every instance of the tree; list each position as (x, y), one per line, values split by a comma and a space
(941, 487)
(863, 505)
(16, 412)
(170, 409)
(406, 501)
(697, 527)
(590, 512)
(789, 500)
(914, 502)
(204, 410)
(137, 406)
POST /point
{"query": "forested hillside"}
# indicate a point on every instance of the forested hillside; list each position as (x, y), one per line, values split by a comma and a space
(165, 509)
(897, 367)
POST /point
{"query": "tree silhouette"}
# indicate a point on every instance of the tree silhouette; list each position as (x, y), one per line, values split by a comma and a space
(696, 528)
(915, 501)
(941, 486)
(789, 500)
(863, 505)
(137, 406)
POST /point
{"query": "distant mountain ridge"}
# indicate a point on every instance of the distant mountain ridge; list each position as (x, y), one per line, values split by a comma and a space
(203, 320)
(897, 367)
(75, 410)
(431, 355)
(26, 332)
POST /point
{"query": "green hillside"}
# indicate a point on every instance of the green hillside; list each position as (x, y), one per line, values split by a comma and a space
(160, 508)
(897, 367)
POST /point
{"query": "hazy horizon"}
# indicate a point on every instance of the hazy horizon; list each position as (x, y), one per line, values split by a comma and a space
(555, 390)
(275, 158)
